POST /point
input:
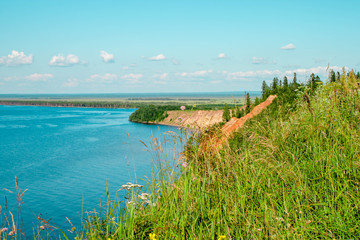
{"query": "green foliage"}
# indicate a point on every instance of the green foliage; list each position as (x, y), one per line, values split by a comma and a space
(226, 113)
(265, 90)
(257, 101)
(150, 114)
(247, 104)
(240, 112)
(332, 77)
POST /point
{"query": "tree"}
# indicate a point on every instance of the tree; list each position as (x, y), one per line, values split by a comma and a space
(257, 101)
(332, 77)
(338, 77)
(248, 104)
(294, 84)
(265, 90)
(275, 85)
(226, 113)
(285, 82)
(358, 75)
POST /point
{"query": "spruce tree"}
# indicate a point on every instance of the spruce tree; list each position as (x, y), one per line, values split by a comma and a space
(248, 104)
(332, 77)
(275, 85)
(285, 82)
(257, 101)
(264, 90)
(226, 113)
(294, 84)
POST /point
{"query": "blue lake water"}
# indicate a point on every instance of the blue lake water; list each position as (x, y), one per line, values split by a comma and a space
(65, 157)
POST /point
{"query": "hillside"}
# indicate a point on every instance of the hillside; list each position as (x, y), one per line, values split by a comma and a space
(290, 172)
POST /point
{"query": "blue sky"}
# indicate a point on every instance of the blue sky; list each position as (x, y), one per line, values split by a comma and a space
(171, 46)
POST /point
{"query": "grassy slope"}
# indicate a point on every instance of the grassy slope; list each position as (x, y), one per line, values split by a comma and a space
(286, 175)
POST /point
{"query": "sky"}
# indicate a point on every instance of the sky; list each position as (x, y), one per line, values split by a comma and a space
(140, 46)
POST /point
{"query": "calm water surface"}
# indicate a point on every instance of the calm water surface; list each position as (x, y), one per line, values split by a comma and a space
(66, 156)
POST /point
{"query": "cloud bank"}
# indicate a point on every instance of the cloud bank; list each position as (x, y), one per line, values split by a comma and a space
(64, 61)
(16, 58)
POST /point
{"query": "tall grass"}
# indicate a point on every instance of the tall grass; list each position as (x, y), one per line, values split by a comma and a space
(288, 174)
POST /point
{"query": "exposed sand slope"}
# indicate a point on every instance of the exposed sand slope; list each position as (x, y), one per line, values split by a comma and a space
(236, 123)
(214, 143)
(193, 119)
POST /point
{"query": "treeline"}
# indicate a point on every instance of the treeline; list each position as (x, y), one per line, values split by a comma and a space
(286, 91)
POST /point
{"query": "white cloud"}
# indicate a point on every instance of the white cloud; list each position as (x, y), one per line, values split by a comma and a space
(39, 77)
(289, 46)
(221, 55)
(71, 82)
(16, 58)
(107, 57)
(247, 74)
(62, 61)
(161, 76)
(324, 71)
(158, 57)
(258, 60)
(132, 78)
(195, 74)
(320, 70)
(106, 78)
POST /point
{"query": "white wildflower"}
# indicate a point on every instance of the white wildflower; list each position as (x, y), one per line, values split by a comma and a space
(129, 185)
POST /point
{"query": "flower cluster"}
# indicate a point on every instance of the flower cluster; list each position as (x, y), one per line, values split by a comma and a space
(129, 185)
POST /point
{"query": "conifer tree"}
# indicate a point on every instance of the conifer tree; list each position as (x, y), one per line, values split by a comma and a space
(294, 84)
(226, 113)
(285, 82)
(275, 85)
(332, 77)
(338, 77)
(264, 90)
(248, 104)
(257, 101)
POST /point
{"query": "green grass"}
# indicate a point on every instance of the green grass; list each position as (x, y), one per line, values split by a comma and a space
(293, 172)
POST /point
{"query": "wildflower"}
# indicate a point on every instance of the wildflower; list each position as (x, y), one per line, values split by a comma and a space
(11, 233)
(42, 227)
(73, 229)
(128, 186)
(222, 237)
(3, 230)
(185, 164)
(129, 204)
(152, 236)
(182, 108)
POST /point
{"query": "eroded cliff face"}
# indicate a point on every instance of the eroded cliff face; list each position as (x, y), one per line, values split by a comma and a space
(199, 119)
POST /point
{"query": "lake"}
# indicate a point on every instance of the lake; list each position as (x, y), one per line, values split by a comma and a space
(66, 157)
